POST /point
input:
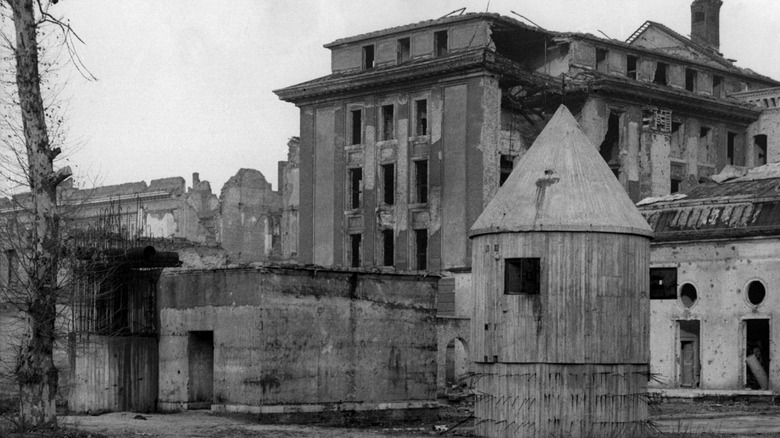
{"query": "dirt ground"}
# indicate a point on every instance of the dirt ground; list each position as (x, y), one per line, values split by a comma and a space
(672, 419)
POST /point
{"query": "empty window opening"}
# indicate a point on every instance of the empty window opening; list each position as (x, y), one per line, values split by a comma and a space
(674, 185)
(704, 152)
(631, 62)
(354, 249)
(610, 147)
(507, 163)
(355, 187)
(421, 181)
(660, 74)
(663, 283)
(368, 57)
(388, 122)
(766, 103)
(440, 43)
(691, 78)
(388, 184)
(421, 249)
(522, 276)
(200, 352)
(602, 60)
(717, 86)
(774, 102)
(757, 353)
(388, 248)
(12, 268)
(756, 292)
(689, 356)
(688, 295)
(759, 146)
(730, 148)
(404, 49)
(421, 117)
(356, 129)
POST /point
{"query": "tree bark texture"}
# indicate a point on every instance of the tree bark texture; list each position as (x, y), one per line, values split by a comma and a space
(35, 370)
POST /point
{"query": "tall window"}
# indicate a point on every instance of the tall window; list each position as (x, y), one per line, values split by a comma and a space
(717, 86)
(388, 248)
(691, 79)
(355, 187)
(602, 60)
(12, 272)
(759, 146)
(440, 43)
(704, 145)
(610, 147)
(421, 117)
(507, 164)
(388, 183)
(354, 249)
(631, 62)
(421, 249)
(404, 49)
(420, 181)
(388, 122)
(356, 128)
(730, 148)
(660, 74)
(368, 57)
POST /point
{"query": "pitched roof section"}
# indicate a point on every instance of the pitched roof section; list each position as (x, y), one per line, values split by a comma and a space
(561, 184)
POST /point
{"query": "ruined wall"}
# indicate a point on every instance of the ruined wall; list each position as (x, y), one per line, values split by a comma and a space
(768, 124)
(299, 337)
(720, 272)
(289, 176)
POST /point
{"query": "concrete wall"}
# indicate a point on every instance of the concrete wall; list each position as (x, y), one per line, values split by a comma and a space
(720, 271)
(300, 337)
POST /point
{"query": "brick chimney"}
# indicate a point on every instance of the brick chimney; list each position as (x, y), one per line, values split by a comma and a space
(705, 22)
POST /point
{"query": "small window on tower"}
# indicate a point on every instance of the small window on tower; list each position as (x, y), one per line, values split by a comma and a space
(698, 16)
(507, 164)
(522, 276)
(663, 283)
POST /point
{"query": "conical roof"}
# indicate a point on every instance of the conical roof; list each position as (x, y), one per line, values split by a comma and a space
(561, 184)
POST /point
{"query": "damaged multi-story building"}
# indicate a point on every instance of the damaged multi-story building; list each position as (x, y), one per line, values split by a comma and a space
(416, 127)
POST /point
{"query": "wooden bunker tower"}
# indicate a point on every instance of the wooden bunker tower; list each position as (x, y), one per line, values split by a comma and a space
(561, 278)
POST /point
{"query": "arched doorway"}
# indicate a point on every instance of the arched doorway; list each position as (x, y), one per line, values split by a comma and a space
(456, 365)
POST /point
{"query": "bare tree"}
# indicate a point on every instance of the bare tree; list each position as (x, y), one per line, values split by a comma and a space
(35, 370)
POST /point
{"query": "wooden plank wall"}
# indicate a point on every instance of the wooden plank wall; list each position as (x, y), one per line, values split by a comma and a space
(593, 308)
(113, 373)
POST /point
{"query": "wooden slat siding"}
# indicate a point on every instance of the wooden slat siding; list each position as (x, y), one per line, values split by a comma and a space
(445, 302)
(114, 374)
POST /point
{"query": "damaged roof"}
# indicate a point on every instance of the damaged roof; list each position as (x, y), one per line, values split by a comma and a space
(748, 206)
(561, 184)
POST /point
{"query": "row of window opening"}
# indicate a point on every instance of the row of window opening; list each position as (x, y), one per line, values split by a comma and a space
(403, 48)
(419, 193)
(419, 249)
(387, 122)
(663, 286)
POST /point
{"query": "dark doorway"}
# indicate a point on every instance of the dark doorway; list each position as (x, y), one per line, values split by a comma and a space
(757, 353)
(201, 358)
(690, 369)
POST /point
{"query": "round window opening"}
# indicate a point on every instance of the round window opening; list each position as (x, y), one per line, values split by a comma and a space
(688, 295)
(756, 292)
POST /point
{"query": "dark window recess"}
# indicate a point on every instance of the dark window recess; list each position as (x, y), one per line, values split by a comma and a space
(507, 164)
(421, 181)
(756, 292)
(660, 74)
(688, 295)
(675, 185)
(631, 62)
(355, 187)
(354, 250)
(388, 122)
(404, 49)
(730, 148)
(602, 63)
(388, 184)
(759, 143)
(704, 132)
(717, 86)
(663, 283)
(610, 147)
(522, 276)
(698, 16)
(368, 57)
(421, 249)
(357, 127)
(440, 43)
(691, 77)
(421, 117)
(388, 248)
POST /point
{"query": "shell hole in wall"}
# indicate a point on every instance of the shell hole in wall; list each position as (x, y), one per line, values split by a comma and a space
(756, 292)
(688, 295)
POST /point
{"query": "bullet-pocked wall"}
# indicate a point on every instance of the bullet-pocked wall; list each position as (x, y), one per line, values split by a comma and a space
(252, 340)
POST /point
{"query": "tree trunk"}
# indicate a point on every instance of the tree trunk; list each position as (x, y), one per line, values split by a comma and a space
(35, 370)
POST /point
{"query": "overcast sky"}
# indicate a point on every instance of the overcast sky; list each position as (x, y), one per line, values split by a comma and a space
(186, 85)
